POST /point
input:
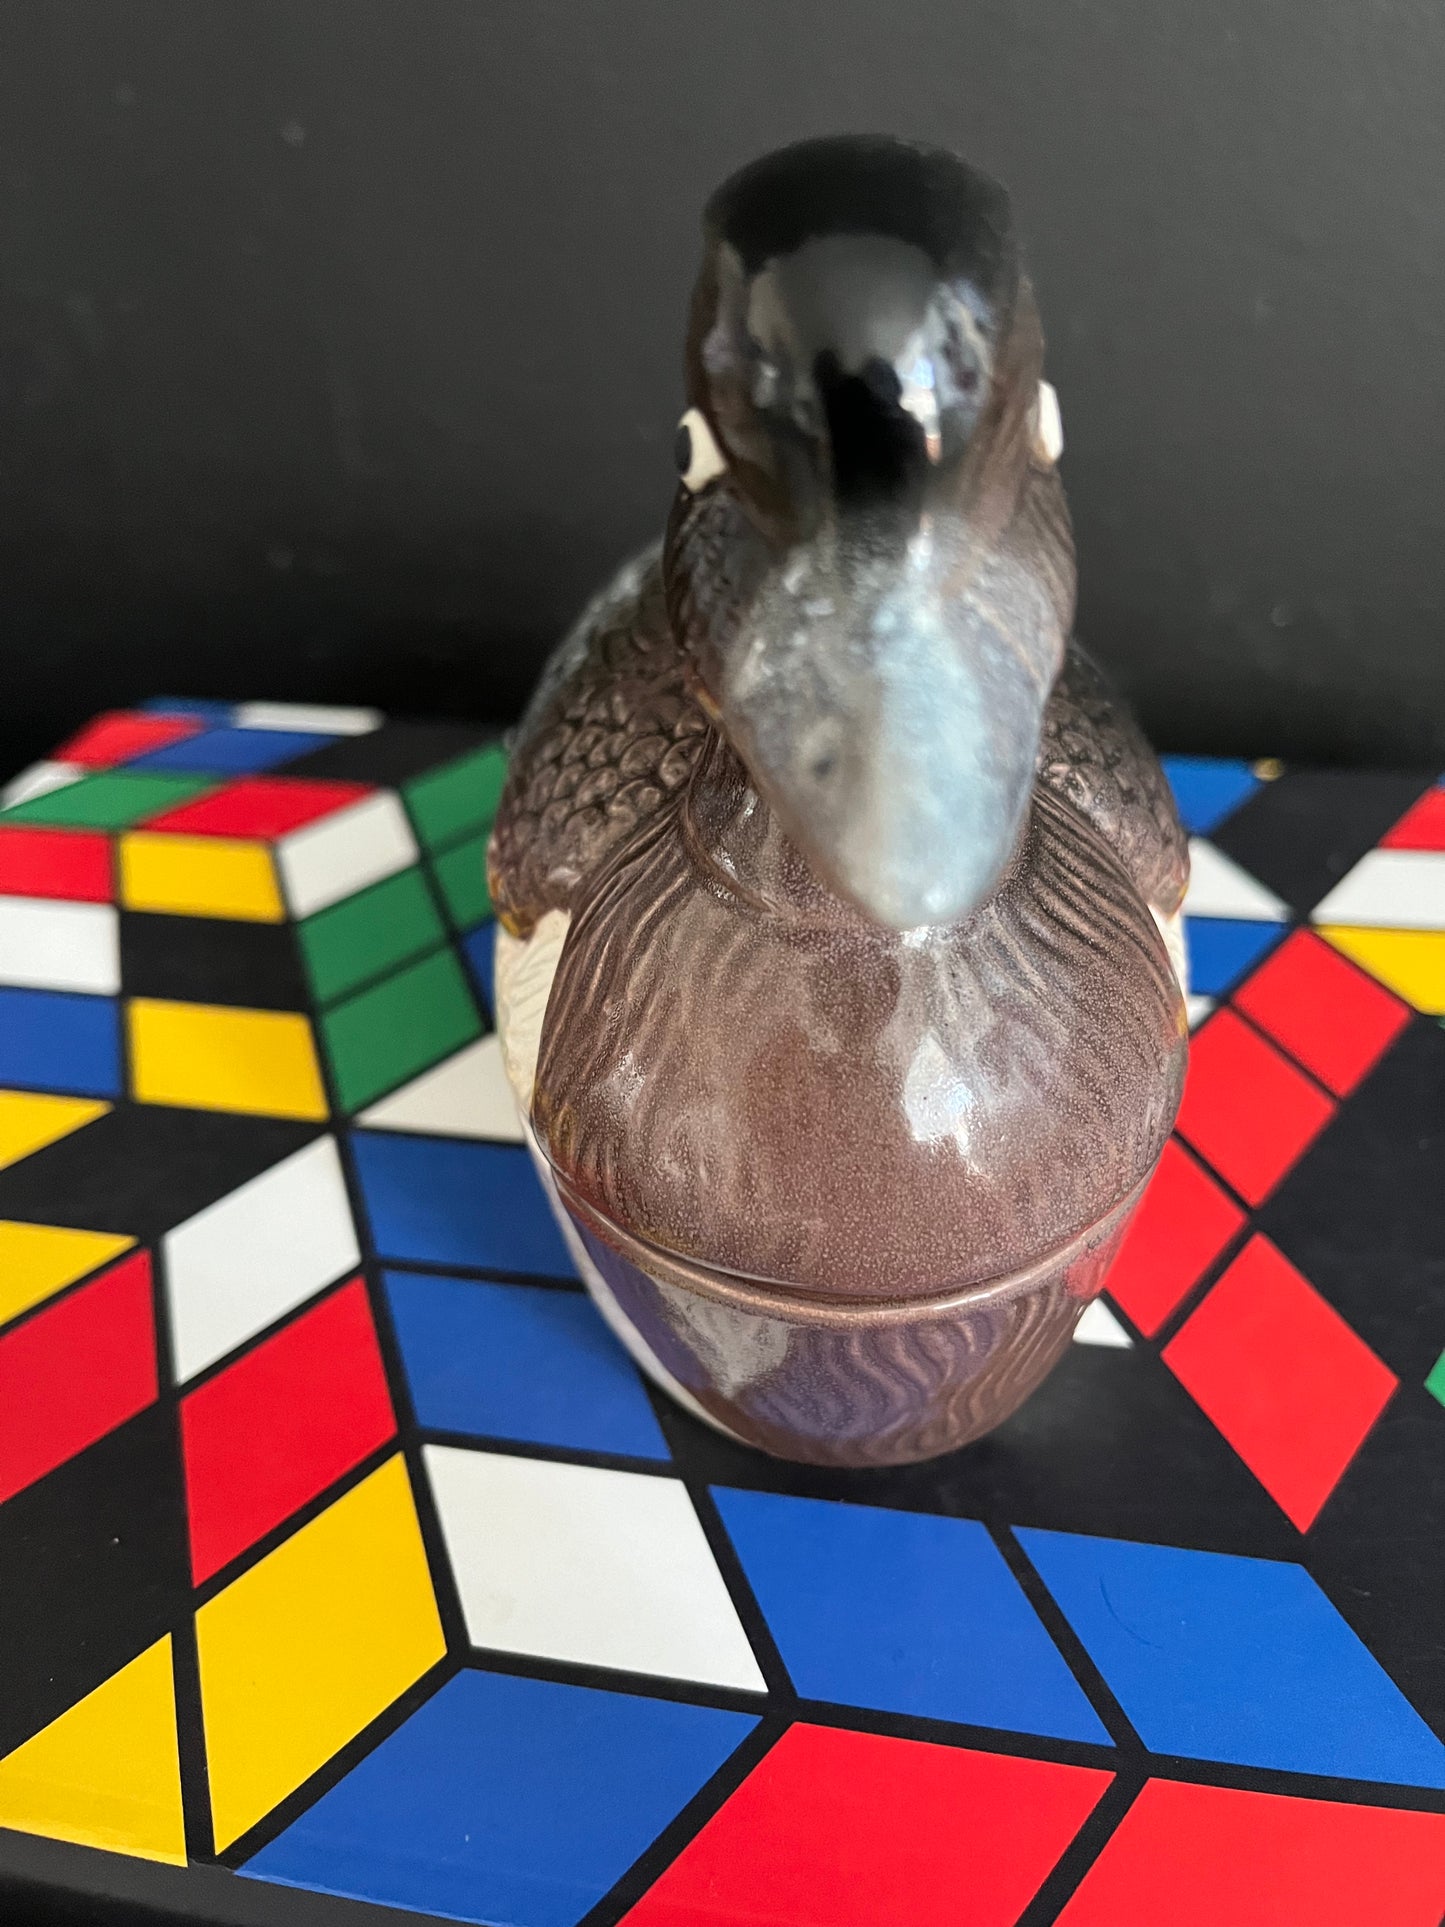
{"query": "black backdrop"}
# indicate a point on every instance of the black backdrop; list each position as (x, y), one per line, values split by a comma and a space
(339, 339)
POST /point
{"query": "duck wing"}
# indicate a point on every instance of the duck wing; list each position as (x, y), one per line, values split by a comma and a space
(610, 734)
(1095, 756)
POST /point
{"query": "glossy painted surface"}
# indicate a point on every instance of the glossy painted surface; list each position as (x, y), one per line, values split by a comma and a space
(904, 1026)
(856, 1384)
(878, 585)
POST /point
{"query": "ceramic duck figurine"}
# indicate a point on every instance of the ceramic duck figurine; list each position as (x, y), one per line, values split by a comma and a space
(835, 890)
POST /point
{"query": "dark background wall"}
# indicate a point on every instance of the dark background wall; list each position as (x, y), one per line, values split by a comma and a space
(339, 339)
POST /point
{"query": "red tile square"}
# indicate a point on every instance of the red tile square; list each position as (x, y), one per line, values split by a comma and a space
(123, 733)
(1213, 1856)
(277, 1427)
(1422, 827)
(841, 1829)
(1332, 1017)
(75, 1371)
(1282, 1375)
(37, 862)
(1183, 1222)
(262, 806)
(1247, 1110)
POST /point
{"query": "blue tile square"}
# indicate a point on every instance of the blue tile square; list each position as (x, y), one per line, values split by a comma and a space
(907, 1612)
(233, 752)
(213, 712)
(1218, 1657)
(479, 947)
(1222, 949)
(505, 1800)
(56, 1040)
(1208, 788)
(519, 1362)
(444, 1201)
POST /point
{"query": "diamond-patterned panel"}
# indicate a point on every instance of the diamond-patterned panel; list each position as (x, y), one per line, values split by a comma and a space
(484, 1806)
(1247, 1110)
(307, 1647)
(1183, 1223)
(110, 800)
(232, 750)
(122, 734)
(1422, 827)
(1197, 1856)
(839, 1829)
(521, 1362)
(264, 807)
(60, 1041)
(199, 876)
(588, 1564)
(78, 1369)
(369, 934)
(1387, 913)
(257, 1253)
(1291, 1387)
(1218, 1657)
(29, 1120)
(107, 1771)
(400, 1583)
(1329, 1016)
(905, 1612)
(73, 864)
(276, 1428)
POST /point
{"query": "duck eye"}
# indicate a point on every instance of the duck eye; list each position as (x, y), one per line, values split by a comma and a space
(699, 459)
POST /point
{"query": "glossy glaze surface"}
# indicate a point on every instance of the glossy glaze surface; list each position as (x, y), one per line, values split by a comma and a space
(754, 1077)
(881, 1383)
(850, 869)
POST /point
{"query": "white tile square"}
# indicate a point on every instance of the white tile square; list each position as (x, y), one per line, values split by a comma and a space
(1099, 1326)
(1196, 1009)
(47, 944)
(465, 1096)
(587, 1564)
(325, 718)
(39, 780)
(344, 852)
(242, 1262)
(1390, 890)
(1219, 888)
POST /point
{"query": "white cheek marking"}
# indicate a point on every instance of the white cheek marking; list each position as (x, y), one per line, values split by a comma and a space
(706, 462)
(1048, 425)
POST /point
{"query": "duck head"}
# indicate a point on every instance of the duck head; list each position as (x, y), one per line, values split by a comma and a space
(869, 560)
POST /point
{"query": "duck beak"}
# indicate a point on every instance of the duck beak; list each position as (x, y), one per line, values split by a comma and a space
(889, 702)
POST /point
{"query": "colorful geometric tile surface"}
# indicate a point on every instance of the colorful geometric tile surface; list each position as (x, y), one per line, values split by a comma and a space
(344, 1551)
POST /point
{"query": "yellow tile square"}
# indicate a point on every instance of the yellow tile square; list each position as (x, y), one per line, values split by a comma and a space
(199, 876)
(37, 1260)
(29, 1120)
(107, 1773)
(308, 1647)
(212, 1058)
(1409, 962)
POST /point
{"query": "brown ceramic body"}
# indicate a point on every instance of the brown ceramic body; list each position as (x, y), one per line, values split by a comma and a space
(834, 877)
(865, 1384)
(849, 1189)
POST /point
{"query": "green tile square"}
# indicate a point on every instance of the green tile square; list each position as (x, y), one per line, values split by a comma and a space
(366, 934)
(1435, 1383)
(461, 875)
(460, 796)
(113, 800)
(398, 1028)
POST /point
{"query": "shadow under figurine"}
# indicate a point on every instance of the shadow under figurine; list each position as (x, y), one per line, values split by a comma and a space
(837, 894)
